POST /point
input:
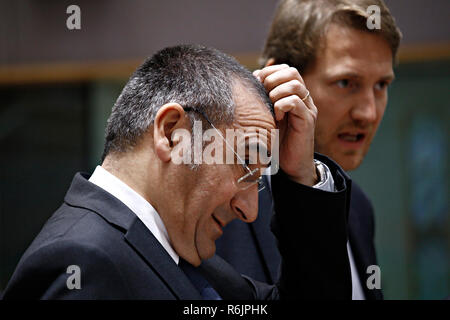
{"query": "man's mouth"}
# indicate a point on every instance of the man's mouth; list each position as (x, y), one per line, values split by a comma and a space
(352, 139)
(221, 225)
(348, 137)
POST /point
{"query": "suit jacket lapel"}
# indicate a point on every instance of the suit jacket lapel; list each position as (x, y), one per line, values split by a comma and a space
(139, 237)
(360, 263)
(361, 253)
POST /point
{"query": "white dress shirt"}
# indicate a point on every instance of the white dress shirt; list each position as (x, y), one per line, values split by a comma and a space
(143, 210)
(357, 290)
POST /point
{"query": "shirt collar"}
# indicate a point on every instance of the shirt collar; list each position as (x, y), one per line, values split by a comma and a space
(141, 207)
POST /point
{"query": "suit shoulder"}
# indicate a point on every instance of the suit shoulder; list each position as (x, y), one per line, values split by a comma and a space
(77, 226)
(360, 200)
(44, 273)
(361, 211)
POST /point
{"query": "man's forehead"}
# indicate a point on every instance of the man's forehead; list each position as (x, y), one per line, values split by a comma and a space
(254, 125)
(346, 50)
(250, 110)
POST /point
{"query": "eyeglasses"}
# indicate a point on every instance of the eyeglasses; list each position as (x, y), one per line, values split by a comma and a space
(252, 177)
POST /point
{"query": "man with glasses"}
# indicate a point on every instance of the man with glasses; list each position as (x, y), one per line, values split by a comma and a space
(129, 230)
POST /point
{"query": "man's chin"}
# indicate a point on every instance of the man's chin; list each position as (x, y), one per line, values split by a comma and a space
(350, 162)
(206, 253)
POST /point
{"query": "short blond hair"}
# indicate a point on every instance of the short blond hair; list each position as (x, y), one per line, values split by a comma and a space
(299, 25)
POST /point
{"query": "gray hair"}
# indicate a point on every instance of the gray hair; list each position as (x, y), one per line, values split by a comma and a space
(191, 75)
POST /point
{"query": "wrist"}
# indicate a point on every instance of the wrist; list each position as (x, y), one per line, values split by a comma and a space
(309, 177)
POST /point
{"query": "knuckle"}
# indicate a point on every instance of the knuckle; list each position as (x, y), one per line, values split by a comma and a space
(293, 70)
(295, 74)
(296, 85)
(296, 101)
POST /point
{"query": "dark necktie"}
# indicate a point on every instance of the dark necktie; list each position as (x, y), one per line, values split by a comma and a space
(201, 284)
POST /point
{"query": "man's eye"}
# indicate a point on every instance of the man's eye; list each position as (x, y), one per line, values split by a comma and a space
(344, 83)
(381, 85)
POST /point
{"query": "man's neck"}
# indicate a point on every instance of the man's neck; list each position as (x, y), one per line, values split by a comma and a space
(134, 172)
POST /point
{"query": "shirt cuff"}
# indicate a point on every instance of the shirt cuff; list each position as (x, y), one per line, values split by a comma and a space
(326, 182)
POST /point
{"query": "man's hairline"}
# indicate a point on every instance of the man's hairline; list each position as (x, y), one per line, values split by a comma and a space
(321, 45)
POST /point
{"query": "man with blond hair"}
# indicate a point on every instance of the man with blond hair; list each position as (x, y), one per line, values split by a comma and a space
(345, 55)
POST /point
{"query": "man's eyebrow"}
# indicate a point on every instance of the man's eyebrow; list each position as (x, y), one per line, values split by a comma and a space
(260, 149)
(354, 75)
(343, 74)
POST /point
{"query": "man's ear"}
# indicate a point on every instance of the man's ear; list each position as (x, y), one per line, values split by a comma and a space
(270, 62)
(168, 118)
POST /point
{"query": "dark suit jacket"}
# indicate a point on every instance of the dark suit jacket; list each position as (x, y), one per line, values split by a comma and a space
(119, 258)
(256, 253)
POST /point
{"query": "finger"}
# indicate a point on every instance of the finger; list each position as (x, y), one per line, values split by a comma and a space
(266, 71)
(281, 76)
(288, 88)
(296, 88)
(295, 106)
(291, 104)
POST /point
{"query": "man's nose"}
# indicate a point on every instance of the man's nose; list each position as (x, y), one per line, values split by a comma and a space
(245, 204)
(365, 109)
